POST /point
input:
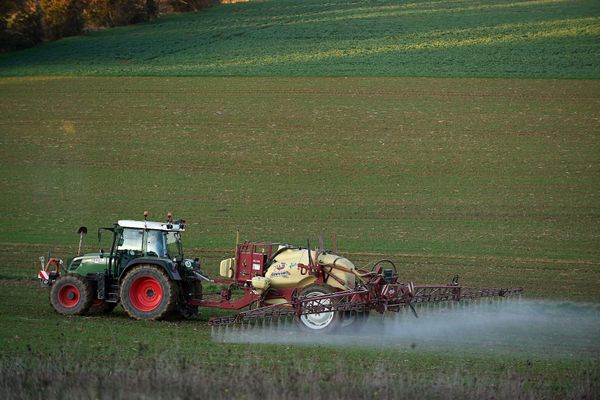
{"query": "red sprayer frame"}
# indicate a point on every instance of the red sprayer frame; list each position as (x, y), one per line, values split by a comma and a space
(377, 290)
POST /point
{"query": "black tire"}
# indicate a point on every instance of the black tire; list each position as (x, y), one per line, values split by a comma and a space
(187, 311)
(148, 293)
(101, 307)
(71, 295)
(326, 322)
(191, 290)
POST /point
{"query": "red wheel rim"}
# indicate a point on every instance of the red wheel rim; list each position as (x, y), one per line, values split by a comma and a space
(145, 293)
(68, 296)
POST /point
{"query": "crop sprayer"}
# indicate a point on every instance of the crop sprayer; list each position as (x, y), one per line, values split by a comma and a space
(146, 272)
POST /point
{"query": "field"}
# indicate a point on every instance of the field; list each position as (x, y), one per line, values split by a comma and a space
(459, 38)
(466, 171)
(429, 171)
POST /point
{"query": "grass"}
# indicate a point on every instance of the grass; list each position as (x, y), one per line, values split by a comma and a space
(541, 38)
(115, 356)
(152, 378)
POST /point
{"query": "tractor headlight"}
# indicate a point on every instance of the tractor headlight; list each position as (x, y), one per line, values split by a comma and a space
(188, 264)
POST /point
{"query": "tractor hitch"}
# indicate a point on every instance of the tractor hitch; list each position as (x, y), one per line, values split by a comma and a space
(47, 275)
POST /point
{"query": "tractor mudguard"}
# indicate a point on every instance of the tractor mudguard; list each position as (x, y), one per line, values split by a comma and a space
(169, 267)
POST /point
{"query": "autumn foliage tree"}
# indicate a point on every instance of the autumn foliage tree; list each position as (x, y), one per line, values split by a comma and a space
(24, 23)
(62, 17)
(107, 13)
(185, 5)
(20, 24)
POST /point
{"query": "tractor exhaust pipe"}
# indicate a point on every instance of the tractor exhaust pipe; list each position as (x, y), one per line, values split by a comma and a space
(82, 231)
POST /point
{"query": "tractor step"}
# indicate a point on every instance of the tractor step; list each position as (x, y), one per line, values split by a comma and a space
(106, 288)
(112, 295)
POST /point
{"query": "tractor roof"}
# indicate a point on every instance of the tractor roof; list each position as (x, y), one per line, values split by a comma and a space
(160, 226)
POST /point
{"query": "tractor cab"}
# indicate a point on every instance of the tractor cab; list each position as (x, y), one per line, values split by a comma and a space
(131, 241)
(147, 240)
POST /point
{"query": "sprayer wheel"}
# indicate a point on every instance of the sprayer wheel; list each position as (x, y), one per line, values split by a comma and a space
(71, 295)
(353, 321)
(325, 322)
(148, 293)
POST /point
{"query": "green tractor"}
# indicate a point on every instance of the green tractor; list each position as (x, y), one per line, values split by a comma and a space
(145, 271)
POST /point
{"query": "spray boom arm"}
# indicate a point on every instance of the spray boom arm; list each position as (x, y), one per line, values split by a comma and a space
(379, 292)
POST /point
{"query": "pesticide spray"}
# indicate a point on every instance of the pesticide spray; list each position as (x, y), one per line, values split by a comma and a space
(535, 326)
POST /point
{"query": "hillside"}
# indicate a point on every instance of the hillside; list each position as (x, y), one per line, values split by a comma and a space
(544, 38)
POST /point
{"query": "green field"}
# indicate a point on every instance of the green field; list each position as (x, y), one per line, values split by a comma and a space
(475, 175)
(490, 179)
(463, 38)
(333, 129)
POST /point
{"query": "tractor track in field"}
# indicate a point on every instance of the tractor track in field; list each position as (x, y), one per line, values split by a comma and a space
(421, 256)
(482, 258)
(203, 125)
(352, 93)
(19, 283)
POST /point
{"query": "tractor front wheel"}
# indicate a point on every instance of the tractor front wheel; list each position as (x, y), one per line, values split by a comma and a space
(148, 293)
(71, 295)
(325, 322)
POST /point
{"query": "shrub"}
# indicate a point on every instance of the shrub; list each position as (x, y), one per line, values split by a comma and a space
(63, 17)
(107, 13)
(185, 5)
(20, 24)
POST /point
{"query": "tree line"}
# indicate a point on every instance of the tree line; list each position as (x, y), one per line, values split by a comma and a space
(25, 23)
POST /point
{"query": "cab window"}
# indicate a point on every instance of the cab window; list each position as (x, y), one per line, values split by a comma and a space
(174, 245)
(155, 245)
(132, 239)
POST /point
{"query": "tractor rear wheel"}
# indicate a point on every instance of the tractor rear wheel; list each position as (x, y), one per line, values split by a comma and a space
(71, 295)
(325, 322)
(148, 293)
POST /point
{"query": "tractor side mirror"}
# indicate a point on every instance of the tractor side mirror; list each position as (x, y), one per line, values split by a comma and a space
(121, 241)
(101, 253)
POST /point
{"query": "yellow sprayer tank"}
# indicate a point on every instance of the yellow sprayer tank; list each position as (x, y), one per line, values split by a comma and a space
(284, 271)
